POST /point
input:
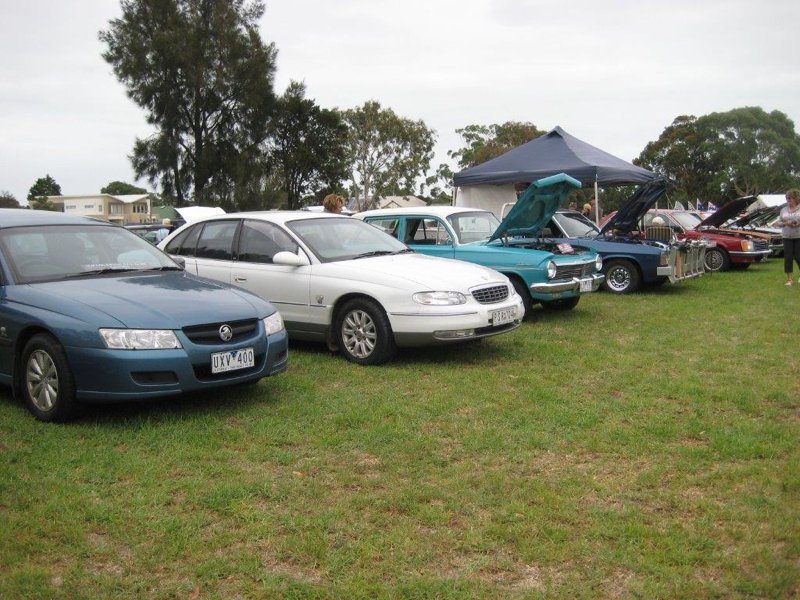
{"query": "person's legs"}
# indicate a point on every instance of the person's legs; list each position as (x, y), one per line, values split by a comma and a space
(797, 254)
(790, 247)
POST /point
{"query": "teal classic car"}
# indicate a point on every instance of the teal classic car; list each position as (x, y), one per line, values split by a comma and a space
(552, 274)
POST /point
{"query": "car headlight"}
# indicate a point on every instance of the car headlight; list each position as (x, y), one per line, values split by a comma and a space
(140, 339)
(551, 269)
(273, 323)
(664, 260)
(439, 298)
(747, 246)
(598, 262)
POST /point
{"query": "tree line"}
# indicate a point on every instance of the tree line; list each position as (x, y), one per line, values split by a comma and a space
(204, 77)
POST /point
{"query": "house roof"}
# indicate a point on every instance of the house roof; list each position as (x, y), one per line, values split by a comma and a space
(400, 202)
(127, 199)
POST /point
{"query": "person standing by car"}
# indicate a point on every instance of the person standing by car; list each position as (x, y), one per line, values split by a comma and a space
(333, 203)
(790, 223)
(166, 226)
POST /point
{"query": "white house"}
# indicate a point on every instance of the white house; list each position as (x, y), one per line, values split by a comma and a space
(400, 202)
(134, 208)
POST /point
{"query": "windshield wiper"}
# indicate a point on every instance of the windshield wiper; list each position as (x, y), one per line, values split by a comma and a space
(103, 271)
(164, 268)
(373, 253)
(403, 251)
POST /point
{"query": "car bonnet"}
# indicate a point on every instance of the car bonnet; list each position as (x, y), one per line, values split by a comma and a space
(169, 300)
(626, 219)
(726, 212)
(536, 206)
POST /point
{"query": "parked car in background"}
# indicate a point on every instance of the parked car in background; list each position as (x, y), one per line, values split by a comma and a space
(727, 249)
(91, 312)
(757, 223)
(146, 232)
(553, 274)
(338, 280)
(631, 258)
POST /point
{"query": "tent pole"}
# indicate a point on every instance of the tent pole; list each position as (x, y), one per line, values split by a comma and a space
(596, 202)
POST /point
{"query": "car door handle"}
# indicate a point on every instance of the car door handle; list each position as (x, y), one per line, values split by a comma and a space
(239, 278)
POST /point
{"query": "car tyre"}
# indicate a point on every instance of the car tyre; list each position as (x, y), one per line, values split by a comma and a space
(524, 293)
(561, 304)
(364, 333)
(45, 380)
(717, 260)
(622, 277)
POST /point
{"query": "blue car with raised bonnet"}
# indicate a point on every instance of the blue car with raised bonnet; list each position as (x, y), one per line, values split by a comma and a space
(90, 312)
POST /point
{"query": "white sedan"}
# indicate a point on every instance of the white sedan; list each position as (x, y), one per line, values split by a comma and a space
(339, 280)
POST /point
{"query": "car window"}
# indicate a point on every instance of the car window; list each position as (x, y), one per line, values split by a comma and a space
(260, 241)
(427, 231)
(216, 240)
(573, 224)
(473, 227)
(345, 238)
(387, 225)
(185, 243)
(46, 253)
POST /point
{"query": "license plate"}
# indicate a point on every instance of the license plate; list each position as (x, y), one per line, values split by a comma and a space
(586, 285)
(502, 316)
(222, 362)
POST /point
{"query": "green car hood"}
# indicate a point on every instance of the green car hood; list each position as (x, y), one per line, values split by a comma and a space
(536, 206)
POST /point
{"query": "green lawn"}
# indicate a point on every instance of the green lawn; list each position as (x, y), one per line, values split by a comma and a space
(637, 447)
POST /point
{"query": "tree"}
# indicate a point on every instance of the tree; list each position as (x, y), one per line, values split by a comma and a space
(440, 185)
(204, 76)
(721, 156)
(386, 153)
(485, 142)
(44, 186)
(120, 188)
(307, 146)
(8, 200)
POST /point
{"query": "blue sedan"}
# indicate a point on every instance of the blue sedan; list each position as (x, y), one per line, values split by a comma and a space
(91, 312)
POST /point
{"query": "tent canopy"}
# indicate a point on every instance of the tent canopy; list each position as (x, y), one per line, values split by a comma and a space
(550, 154)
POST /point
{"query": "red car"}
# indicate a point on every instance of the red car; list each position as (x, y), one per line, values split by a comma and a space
(725, 249)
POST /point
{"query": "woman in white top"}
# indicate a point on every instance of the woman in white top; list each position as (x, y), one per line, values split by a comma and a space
(790, 223)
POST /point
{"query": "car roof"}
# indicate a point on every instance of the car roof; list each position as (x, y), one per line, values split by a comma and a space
(21, 217)
(439, 211)
(274, 216)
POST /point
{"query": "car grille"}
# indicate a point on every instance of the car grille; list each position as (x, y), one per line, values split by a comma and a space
(574, 270)
(761, 244)
(209, 334)
(491, 295)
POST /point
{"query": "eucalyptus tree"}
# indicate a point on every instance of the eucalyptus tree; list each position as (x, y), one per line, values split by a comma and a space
(387, 153)
(725, 155)
(204, 77)
(307, 146)
(485, 142)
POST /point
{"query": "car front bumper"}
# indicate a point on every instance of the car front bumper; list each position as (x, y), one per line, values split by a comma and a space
(103, 375)
(552, 290)
(447, 325)
(750, 257)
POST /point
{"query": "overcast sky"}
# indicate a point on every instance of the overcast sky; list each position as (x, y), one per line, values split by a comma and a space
(613, 73)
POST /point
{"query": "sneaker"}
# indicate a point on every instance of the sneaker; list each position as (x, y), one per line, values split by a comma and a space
(788, 283)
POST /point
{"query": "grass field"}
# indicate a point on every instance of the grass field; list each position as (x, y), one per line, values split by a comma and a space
(637, 447)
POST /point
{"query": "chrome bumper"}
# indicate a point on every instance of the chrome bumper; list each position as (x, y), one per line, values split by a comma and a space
(756, 255)
(567, 285)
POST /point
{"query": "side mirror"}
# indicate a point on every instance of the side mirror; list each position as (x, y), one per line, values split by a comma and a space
(290, 259)
(180, 261)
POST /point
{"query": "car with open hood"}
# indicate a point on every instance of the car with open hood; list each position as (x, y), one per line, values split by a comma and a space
(726, 249)
(630, 257)
(338, 280)
(553, 274)
(91, 312)
(737, 217)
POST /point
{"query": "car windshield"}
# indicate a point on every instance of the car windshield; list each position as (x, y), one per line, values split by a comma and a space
(473, 226)
(53, 252)
(686, 220)
(575, 225)
(334, 239)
